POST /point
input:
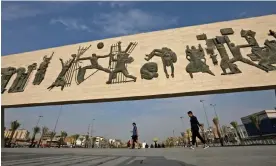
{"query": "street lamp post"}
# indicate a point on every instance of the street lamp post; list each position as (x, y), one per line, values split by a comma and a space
(208, 133)
(54, 132)
(92, 128)
(214, 106)
(182, 122)
(40, 116)
(202, 101)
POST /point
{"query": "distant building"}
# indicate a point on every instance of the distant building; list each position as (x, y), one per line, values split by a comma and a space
(267, 124)
(242, 131)
(20, 134)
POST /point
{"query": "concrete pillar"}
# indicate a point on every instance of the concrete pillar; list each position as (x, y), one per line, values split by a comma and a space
(2, 126)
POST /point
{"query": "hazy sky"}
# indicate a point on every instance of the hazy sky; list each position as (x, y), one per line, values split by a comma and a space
(30, 26)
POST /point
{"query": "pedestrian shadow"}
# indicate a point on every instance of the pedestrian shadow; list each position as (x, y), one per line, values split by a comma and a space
(156, 161)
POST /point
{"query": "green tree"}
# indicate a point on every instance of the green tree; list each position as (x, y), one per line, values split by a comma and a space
(235, 125)
(36, 130)
(256, 121)
(216, 122)
(44, 131)
(14, 126)
(63, 135)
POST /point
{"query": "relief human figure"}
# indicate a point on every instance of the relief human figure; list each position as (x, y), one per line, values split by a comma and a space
(21, 79)
(272, 33)
(41, 71)
(236, 51)
(266, 55)
(94, 65)
(197, 60)
(6, 74)
(122, 59)
(168, 58)
(149, 71)
(60, 80)
(224, 63)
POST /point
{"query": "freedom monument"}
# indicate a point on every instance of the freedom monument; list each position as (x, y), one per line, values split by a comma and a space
(230, 56)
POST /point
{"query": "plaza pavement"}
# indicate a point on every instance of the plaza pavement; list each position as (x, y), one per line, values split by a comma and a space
(216, 156)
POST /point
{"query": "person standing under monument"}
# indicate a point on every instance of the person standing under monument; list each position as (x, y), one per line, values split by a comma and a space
(134, 135)
(195, 131)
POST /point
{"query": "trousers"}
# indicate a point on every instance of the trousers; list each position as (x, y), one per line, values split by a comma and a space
(195, 133)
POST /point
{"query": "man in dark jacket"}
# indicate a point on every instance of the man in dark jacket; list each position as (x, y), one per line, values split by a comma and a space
(134, 135)
(195, 130)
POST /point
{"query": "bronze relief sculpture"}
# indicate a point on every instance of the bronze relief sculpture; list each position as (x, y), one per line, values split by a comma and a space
(197, 61)
(168, 58)
(41, 71)
(6, 74)
(21, 79)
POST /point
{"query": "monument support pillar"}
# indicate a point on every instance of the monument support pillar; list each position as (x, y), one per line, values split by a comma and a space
(2, 127)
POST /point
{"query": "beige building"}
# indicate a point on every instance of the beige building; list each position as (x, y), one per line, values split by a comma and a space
(90, 85)
(20, 134)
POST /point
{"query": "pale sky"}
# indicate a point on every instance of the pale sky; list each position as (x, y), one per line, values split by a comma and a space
(154, 118)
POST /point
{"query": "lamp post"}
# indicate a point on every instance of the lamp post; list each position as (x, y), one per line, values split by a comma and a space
(92, 126)
(182, 122)
(54, 132)
(40, 116)
(214, 106)
(202, 101)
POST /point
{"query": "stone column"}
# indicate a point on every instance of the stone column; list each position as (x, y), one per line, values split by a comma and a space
(2, 126)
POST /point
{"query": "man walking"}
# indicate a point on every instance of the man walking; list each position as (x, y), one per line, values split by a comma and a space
(195, 131)
(134, 135)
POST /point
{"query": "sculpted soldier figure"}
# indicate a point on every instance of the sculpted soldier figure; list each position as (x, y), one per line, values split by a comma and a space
(266, 55)
(149, 71)
(272, 33)
(224, 63)
(40, 74)
(60, 80)
(238, 56)
(122, 59)
(168, 58)
(94, 65)
(197, 61)
(21, 79)
(6, 74)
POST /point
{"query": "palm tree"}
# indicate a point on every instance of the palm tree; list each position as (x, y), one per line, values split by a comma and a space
(216, 122)
(76, 137)
(14, 126)
(235, 125)
(86, 141)
(93, 141)
(81, 139)
(44, 130)
(188, 136)
(52, 135)
(155, 140)
(256, 121)
(36, 130)
(63, 135)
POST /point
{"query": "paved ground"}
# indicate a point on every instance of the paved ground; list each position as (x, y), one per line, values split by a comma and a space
(226, 156)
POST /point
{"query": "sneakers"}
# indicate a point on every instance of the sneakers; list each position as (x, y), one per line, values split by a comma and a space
(191, 147)
(205, 146)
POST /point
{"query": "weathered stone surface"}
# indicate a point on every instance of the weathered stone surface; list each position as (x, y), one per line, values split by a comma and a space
(96, 90)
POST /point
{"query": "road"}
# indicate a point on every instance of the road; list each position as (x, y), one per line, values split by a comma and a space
(219, 156)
